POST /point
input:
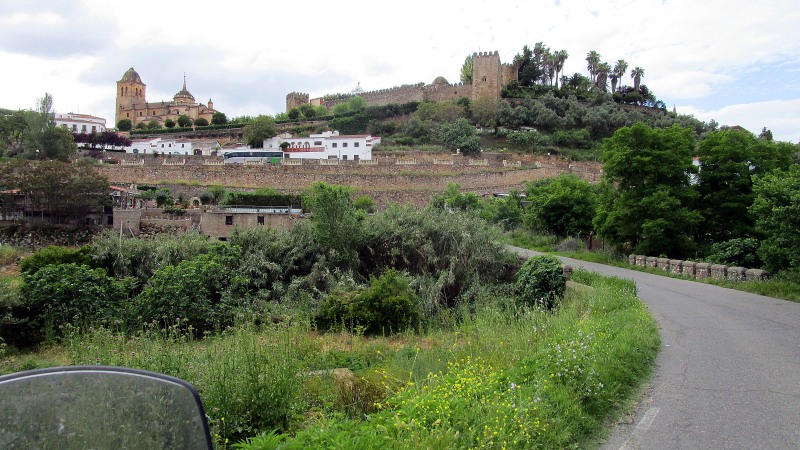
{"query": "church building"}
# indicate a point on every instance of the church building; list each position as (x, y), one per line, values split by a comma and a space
(132, 103)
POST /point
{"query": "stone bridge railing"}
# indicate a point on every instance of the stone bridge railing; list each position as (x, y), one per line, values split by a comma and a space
(699, 270)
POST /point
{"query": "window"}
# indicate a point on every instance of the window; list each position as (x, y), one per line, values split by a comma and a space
(228, 220)
(182, 145)
(127, 114)
(261, 220)
(140, 114)
(356, 144)
(317, 143)
(335, 144)
(74, 127)
(83, 128)
(94, 129)
(344, 144)
(344, 157)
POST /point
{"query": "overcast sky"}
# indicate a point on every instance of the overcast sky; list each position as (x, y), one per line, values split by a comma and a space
(736, 61)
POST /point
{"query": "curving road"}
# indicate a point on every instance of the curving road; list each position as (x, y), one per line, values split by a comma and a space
(728, 375)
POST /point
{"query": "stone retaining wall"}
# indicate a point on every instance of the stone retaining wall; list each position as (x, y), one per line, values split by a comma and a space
(699, 270)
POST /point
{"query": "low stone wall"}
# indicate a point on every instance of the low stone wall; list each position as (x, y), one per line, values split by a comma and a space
(699, 270)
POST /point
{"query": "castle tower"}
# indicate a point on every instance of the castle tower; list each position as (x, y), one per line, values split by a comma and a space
(487, 80)
(295, 99)
(130, 95)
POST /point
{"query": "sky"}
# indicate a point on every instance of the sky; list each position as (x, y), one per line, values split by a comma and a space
(734, 61)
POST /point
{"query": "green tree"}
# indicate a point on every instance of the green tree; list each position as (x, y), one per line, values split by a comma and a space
(484, 111)
(169, 123)
(356, 103)
(201, 293)
(504, 211)
(729, 159)
(201, 122)
(124, 125)
(13, 128)
(56, 143)
(308, 111)
(466, 70)
(184, 121)
(259, 130)
(321, 111)
(294, 114)
(341, 108)
(564, 206)
(646, 201)
(70, 293)
(777, 211)
(460, 135)
(153, 125)
(453, 199)
(335, 222)
(592, 64)
(219, 118)
(141, 126)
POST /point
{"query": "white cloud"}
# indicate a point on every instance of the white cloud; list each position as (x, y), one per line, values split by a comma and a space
(247, 54)
(779, 116)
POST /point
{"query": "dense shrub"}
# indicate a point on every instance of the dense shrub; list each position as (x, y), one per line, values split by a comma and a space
(541, 281)
(201, 293)
(450, 253)
(570, 245)
(70, 293)
(388, 305)
(140, 258)
(736, 252)
(54, 255)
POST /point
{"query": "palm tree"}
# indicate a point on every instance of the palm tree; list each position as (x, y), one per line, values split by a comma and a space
(637, 75)
(603, 69)
(620, 68)
(614, 78)
(561, 58)
(550, 63)
(592, 61)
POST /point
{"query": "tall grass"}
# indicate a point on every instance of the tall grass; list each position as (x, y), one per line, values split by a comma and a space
(508, 379)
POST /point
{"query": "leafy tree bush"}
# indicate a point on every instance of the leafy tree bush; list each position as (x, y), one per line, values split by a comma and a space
(460, 135)
(364, 203)
(201, 294)
(506, 212)
(262, 197)
(169, 123)
(565, 205)
(153, 125)
(70, 293)
(124, 125)
(541, 282)
(453, 199)
(201, 122)
(141, 126)
(184, 121)
(777, 211)
(736, 252)
(646, 201)
(219, 118)
(388, 305)
(335, 222)
(54, 254)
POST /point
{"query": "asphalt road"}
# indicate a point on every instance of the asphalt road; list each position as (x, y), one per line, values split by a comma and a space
(728, 375)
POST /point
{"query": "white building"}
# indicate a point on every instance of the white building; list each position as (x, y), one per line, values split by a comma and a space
(174, 147)
(80, 123)
(327, 145)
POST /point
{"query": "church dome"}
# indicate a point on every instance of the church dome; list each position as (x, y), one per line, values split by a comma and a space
(131, 75)
(184, 93)
(440, 81)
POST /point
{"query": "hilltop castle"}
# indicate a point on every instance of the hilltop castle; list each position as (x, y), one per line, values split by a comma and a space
(489, 77)
(133, 105)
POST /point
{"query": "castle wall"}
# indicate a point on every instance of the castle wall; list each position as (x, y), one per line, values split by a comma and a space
(444, 92)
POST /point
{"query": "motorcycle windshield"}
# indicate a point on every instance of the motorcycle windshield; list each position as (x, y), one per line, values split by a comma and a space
(94, 407)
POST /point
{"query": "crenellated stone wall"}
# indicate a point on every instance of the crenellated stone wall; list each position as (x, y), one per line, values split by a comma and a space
(699, 270)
